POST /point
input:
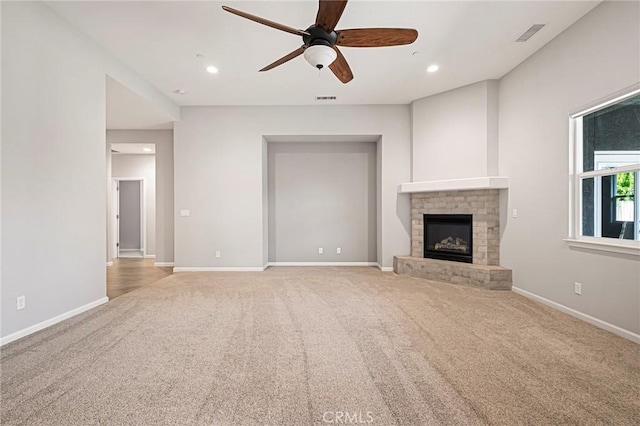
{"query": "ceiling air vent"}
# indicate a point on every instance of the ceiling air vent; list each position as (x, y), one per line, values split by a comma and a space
(529, 33)
(325, 98)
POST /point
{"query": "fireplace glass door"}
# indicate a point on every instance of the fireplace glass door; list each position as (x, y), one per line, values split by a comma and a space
(448, 237)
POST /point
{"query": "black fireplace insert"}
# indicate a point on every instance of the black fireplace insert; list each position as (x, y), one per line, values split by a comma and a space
(448, 237)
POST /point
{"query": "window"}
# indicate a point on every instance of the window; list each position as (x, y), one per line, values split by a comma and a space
(606, 173)
(626, 204)
(615, 204)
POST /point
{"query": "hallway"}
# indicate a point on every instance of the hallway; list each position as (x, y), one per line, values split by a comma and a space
(128, 274)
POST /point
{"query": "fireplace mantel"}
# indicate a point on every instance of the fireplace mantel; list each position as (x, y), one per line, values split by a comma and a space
(490, 182)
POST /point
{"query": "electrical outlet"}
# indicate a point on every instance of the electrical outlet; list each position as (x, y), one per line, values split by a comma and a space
(338, 250)
(577, 288)
(320, 250)
(21, 302)
(217, 254)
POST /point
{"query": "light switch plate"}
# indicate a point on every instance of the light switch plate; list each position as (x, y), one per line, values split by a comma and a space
(185, 213)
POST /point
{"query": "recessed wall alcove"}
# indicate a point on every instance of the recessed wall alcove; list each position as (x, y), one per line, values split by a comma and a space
(321, 191)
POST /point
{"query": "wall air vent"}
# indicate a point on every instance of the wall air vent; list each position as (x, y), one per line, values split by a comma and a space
(325, 98)
(529, 33)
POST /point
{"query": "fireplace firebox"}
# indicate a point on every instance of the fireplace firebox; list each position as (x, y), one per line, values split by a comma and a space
(448, 237)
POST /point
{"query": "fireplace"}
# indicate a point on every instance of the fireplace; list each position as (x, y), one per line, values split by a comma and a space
(463, 214)
(448, 237)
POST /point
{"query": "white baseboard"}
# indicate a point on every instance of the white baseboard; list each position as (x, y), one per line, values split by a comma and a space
(577, 314)
(322, 264)
(109, 263)
(48, 323)
(149, 256)
(218, 269)
(164, 264)
(384, 268)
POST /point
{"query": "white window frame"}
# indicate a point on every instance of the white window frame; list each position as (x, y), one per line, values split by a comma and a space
(577, 175)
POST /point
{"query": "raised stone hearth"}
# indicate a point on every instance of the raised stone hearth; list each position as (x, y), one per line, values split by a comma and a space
(484, 206)
(486, 276)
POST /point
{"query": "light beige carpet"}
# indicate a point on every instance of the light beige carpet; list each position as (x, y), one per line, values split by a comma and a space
(298, 346)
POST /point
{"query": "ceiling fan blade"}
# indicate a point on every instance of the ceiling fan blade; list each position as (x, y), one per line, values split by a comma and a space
(341, 68)
(263, 21)
(286, 58)
(376, 37)
(329, 13)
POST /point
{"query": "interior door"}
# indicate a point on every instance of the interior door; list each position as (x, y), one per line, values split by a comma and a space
(129, 216)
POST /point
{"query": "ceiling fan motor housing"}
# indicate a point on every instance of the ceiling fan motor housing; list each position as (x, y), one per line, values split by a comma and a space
(319, 37)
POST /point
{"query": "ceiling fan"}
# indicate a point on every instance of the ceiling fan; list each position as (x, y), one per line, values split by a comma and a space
(321, 40)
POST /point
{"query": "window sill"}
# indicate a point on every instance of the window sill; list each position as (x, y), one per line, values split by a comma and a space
(610, 245)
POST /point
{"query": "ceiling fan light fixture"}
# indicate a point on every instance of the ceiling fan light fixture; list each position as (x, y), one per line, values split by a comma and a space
(320, 56)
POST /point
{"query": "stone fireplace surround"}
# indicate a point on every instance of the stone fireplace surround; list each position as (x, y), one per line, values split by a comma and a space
(484, 205)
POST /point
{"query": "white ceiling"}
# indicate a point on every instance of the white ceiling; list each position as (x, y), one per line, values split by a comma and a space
(470, 41)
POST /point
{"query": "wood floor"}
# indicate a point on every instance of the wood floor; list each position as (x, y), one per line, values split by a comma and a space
(129, 274)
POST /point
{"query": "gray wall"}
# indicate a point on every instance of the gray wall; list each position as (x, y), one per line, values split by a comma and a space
(322, 195)
(140, 166)
(454, 134)
(163, 140)
(595, 57)
(54, 164)
(219, 157)
(53, 201)
(130, 228)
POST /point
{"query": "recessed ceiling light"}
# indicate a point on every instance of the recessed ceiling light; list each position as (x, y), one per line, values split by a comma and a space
(212, 70)
(180, 92)
(433, 68)
(147, 149)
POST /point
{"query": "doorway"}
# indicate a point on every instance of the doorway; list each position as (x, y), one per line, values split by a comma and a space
(132, 218)
(129, 229)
